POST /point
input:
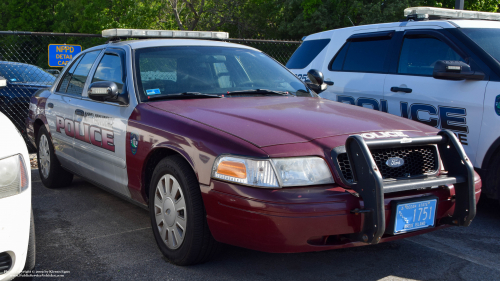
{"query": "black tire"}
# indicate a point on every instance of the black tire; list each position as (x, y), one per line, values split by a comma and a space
(30, 255)
(494, 175)
(198, 245)
(57, 176)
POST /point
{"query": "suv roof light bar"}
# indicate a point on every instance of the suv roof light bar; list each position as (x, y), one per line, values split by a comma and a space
(148, 33)
(424, 13)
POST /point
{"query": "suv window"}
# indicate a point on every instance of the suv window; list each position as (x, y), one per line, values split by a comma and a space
(338, 60)
(419, 54)
(74, 80)
(486, 38)
(110, 69)
(305, 54)
(366, 56)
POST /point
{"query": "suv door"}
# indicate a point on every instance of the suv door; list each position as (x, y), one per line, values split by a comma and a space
(100, 146)
(61, 106)
(358, 70)
(413, 93)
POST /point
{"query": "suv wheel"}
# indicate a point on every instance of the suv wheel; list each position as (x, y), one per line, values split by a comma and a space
(177, 214)
(49, 168)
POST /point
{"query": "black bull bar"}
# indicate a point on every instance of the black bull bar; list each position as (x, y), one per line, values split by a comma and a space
(368, 182)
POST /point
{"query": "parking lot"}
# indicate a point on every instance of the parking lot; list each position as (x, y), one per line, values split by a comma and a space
(89, 234)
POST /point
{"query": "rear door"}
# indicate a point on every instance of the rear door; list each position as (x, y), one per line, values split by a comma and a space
(359, 68)
(413, 93)
(61, 106)
(100, 144)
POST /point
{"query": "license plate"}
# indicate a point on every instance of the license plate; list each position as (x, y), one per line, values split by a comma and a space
(415, 215)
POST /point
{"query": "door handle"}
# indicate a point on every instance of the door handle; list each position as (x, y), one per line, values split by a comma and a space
(399, 89)
(50, 105)
(79, 112)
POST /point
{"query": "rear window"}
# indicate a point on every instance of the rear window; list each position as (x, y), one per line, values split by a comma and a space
(366, 56)
(305, 54)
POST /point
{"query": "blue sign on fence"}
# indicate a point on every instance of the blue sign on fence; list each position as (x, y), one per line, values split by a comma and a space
(61, 54)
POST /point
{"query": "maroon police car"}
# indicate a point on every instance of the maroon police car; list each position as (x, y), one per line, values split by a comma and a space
(222, 144)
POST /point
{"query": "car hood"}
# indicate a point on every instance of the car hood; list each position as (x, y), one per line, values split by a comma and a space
(267, 121)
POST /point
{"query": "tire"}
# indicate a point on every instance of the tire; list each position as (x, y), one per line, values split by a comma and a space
(180, 229)
(30, 255)
(495, 177)
(49, 168)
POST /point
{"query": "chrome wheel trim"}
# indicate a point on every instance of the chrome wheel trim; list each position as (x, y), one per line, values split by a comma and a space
(170, 211)
(44, 156)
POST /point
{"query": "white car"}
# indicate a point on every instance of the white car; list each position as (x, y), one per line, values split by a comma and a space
(17, 232)
(438, 66)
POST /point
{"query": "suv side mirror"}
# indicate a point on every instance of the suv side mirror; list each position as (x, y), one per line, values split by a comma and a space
(3, 82)
(318, 83)
(455, 70)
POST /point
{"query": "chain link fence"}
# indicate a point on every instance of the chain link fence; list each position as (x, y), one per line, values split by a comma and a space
(24, 62)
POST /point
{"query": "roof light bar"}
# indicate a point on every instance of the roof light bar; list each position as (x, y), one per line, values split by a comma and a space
(430, 12)
(147, 33)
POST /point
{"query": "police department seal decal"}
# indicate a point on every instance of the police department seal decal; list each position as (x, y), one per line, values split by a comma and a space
(134, 143)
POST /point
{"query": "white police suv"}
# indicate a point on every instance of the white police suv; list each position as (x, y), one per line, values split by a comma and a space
(438, 66)
(17, 232)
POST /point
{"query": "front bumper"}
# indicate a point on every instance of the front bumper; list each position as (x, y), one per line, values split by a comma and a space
(302, 219)
(15, 214)
(327, 217)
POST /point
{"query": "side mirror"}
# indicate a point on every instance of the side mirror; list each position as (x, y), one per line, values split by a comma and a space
(455, 70)
(316, 77)
(318, 83)
(103, 91)
(3, 82)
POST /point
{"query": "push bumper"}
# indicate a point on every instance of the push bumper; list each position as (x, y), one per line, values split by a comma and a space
(328, 217)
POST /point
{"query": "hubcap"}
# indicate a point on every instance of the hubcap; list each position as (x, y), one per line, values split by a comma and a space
(44, 156)
(170, 211)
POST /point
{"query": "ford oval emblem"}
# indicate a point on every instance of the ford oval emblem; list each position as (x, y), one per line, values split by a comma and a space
(395, 162)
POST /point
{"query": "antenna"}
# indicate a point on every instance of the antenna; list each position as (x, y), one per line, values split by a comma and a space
(351, 21)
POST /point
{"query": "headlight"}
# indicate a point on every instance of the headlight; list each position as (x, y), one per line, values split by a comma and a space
(273, 173)
(13, 176)
(303, 171)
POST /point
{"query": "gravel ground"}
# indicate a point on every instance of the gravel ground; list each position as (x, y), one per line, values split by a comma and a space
(33, 162)
(89, 234)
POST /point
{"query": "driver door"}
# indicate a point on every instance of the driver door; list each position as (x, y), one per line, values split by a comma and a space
(413, 93)
(101, 140)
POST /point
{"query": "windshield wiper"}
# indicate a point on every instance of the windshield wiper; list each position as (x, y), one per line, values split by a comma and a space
(188, 95)
(258, 92)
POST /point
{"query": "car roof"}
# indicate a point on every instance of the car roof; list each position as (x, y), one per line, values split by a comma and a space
(16, 63)
(147, 43)
(419, 24)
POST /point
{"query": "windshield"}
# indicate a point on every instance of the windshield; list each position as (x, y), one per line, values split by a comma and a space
(19, 72)
(211, 70)
(486, 38)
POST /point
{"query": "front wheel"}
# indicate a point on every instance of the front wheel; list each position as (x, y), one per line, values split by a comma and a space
(177, 214)
(49, 168)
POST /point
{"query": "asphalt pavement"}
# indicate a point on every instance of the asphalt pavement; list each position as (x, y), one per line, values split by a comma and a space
(86, 233)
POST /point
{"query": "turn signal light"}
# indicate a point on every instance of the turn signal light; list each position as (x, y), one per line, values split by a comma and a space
(232, 169)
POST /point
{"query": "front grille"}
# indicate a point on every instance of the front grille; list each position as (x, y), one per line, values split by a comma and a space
(5, 262)
(418, 160)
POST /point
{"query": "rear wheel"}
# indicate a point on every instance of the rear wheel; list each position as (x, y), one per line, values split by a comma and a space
(49, 168)
(495, 177)
(177, 214)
